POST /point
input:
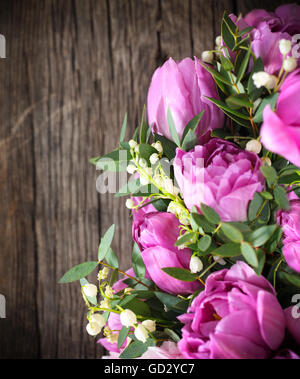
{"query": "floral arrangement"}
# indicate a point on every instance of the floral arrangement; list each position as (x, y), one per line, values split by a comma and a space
(214, 195)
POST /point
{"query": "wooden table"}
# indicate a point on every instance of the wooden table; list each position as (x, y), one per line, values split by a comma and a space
(73, 68)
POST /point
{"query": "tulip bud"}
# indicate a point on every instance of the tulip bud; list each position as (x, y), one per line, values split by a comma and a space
(132, 144)
(129, 204)
(141, 333)
(207, 56)
(254, 146)
(128, 318)
(98, 319)
(220, 260)
(290, 64)
(131, 169)
(93, 328)
(285, 46)
(195, 265)
(154, 158)
(90, 290)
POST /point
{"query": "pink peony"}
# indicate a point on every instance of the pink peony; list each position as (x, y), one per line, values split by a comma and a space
(237, 316)
(290, 222)
(221, 175)
(280, 132)
(182, 87)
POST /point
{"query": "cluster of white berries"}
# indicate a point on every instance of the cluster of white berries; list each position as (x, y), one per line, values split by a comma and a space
(95, 325)
(263, 79)
(141, 331)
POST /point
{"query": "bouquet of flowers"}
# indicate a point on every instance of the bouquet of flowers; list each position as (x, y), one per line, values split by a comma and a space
(214, 193)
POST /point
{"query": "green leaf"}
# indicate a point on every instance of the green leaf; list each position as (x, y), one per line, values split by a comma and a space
(266, 195)
(245, 31)
(186, 238)
(260, 236)
(292, 279)
(228, 31)
(192, 125)
(78, 272)
(270, 174)
(112, 259)
(216, 75)
(228, 250)
(190, 141)
(281, 198)
(146, 151)
(139, 307)
(137, 262)
(122, 336)
(254, 206)
(204, 243)
(232, 233)
(105, 243)
(113, 277)
(229, 110)
(238, 101)
(202, 223)
(249, 254)
(210, 214)
(244, 65)
(270, 100)
(168, 146)
(172, 128)
(116, 161)
(136, 349)
(180, 274)
(226, 63)
(143, 127)
(123, 130)
(261, 256)
(168, 300)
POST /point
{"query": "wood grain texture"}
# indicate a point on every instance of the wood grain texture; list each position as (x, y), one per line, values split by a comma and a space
(73, 68)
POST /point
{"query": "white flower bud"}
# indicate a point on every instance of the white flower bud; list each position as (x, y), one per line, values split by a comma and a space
(195, 265)
(220, 260)
(90, 290)
(129, 204)
(158, 147)
(219, 41)
(137, 149)
(109, 292)
(207, 56)
(143, 163)
(141, 333)
(154, 158)
(254, 146)
(128, 290)
(103, 274)
(256, 104)
(132, 144)
(290, 64)
(128, 318)
(263, 79)
(144, 180)
(266, 161)
(150, 325)
(93, 328)
(97, 318)
(285, 46)
(105, 304)
(131, 169)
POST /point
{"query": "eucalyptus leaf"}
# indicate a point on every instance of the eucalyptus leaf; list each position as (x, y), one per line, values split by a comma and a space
(105, 243)
(78, 272)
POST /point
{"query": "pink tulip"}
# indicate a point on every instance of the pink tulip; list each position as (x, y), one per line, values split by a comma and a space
(237, 316)
(280, 132)
(182, 87)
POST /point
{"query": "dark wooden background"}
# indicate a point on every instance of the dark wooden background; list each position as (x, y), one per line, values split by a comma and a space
(73, 68)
